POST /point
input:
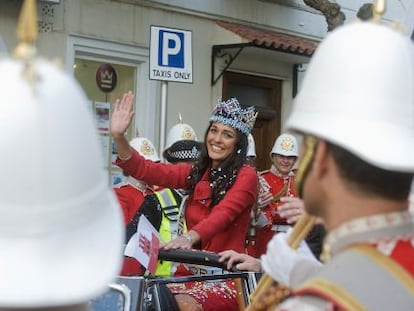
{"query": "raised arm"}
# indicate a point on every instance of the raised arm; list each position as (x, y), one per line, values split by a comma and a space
(120, 120)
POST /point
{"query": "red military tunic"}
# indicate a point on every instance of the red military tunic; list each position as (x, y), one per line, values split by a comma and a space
(131, 196)
(280, 186)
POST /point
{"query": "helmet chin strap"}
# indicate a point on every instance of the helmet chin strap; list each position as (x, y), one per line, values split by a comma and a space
(137, 184)
(305, 162)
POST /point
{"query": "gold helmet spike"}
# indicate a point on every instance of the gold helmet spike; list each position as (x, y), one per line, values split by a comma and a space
(27, 30)
(180, 118)
(378, 10)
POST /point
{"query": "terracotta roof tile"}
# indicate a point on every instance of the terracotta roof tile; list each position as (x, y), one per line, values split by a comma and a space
(271, 39)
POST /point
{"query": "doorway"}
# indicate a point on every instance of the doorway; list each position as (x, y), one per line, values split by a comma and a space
(130, 64)
(266, 95)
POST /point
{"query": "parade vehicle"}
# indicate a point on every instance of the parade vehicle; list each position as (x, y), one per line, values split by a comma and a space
(147, 293)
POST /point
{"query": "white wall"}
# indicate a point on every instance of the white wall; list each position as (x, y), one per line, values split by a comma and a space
(127, 22)
(289, 15)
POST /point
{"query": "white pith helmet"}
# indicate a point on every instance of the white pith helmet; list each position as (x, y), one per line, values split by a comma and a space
(180, 131)
(358, 93)
(251, 148)
(285, 145)
(145, 148)
(61, 227)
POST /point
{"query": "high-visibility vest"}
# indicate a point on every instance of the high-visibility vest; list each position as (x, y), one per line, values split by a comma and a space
(172, 224)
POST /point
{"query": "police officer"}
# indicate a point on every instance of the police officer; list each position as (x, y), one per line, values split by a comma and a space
(356, 112)
(165, 208)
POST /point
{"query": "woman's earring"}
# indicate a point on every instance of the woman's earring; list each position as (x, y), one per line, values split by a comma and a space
(238, 151)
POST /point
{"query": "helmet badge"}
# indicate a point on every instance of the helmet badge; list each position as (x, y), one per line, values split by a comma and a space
(187, 134)
(287, 144)
(146, 149)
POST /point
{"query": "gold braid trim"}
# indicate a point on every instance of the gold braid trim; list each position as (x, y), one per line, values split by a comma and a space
(343, 297)
(275, 294)
(347, 301)
(305, 162)
(281, 193)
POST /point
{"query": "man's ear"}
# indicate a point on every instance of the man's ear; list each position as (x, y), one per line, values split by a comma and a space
(320, 162)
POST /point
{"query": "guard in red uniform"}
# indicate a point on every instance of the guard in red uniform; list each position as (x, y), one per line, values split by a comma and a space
(131, 195)
(277, 186)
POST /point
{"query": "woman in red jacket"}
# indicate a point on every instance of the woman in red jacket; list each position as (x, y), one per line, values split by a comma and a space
(223, 187)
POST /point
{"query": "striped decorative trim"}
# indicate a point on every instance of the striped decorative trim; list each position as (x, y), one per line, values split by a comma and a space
(329, 290)
(346, 297)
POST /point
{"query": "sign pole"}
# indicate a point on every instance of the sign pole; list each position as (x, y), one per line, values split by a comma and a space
(163, 116)
(170, 60)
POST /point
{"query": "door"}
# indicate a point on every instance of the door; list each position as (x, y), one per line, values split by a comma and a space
(100, 104)
(265, 94)
(105, 70)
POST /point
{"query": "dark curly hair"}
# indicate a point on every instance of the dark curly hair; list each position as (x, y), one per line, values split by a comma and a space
(222, 178)
(369, 178)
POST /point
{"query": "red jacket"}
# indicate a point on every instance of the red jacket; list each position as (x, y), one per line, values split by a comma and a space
(130, 200)
(220, 228)
(276, 184)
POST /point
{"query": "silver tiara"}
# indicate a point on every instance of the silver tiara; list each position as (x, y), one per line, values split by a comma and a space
(230, 112)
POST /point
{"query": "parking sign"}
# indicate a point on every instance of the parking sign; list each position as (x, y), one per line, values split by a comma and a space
(171, 55)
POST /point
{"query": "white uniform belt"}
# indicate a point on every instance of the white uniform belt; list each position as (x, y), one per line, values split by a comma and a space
(280, 228)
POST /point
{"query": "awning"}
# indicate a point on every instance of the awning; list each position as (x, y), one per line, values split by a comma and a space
(259, 38)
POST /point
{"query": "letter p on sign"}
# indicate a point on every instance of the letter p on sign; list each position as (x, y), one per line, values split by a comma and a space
(171, 54)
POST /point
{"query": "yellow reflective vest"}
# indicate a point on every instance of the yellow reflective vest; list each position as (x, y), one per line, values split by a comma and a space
(172, 224)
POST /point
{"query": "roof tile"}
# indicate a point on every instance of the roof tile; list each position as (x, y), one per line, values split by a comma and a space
(271, 39)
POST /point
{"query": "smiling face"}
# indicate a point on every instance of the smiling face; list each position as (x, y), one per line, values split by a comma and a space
(220, 142)
(283, 164)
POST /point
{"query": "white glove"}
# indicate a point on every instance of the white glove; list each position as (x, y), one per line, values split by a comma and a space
(280, 259)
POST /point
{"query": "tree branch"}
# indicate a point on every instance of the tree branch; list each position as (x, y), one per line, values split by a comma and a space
(332, 12)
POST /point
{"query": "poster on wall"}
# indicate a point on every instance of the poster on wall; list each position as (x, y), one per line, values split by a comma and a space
(105, 147)
(114, 153)
(108, 146)
(102, 110)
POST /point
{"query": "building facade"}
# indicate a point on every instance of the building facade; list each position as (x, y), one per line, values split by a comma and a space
(252, 49)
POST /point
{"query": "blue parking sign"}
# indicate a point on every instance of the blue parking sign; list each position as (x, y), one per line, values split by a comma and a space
(171, 55)
(171, 51)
